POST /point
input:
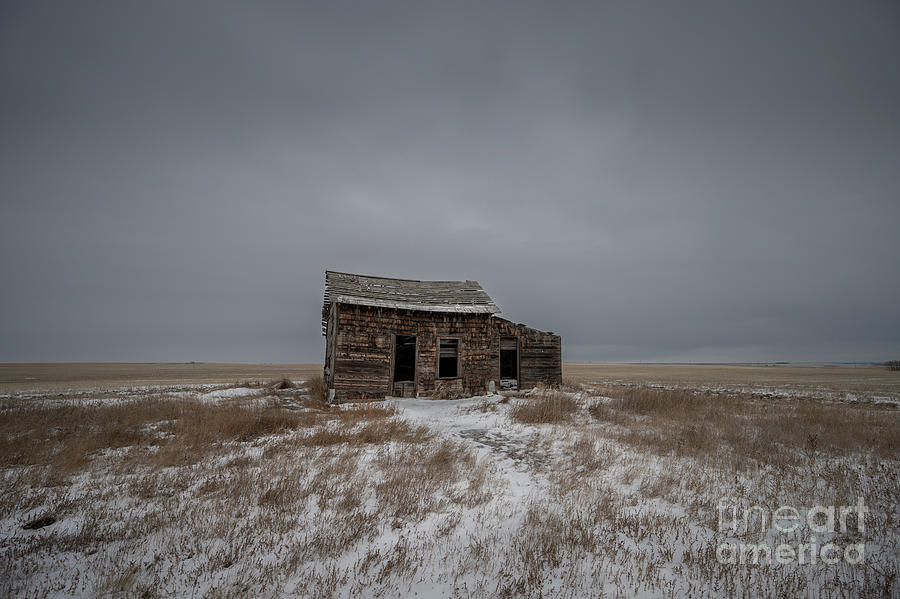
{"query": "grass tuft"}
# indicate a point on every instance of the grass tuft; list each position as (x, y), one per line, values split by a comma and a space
(316, 391)
(547, 407)
(283, 383)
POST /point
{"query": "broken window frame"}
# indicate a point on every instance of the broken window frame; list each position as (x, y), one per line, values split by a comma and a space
(455, 344)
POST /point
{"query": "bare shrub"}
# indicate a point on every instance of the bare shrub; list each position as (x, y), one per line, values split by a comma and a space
(446, 390)
(547, 407)
(283, 383)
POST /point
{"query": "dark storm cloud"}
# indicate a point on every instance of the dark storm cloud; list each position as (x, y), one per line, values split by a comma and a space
(671, 181)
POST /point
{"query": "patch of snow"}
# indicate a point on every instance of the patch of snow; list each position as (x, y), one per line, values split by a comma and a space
(232, 393)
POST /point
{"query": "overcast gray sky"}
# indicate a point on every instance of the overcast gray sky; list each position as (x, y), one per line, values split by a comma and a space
(664, 181)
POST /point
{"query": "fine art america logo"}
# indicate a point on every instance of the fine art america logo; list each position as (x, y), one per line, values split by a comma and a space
(786, 523)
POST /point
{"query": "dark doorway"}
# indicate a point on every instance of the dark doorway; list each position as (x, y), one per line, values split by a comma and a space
(405, 358)
(509, 363)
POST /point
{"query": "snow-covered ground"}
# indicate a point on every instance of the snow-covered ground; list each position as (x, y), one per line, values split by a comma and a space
(424, 498)
(488, 432)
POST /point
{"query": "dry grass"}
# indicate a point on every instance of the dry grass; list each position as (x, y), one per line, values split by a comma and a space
(163, 495)
(821, 382)
(446, 390)
(643, 476)
(276, 494)
(63, 439)
(373, 432)
(315, 389)
(283, 383)
(61, 377)
(693, 423)
(425, 479)
(549, 406)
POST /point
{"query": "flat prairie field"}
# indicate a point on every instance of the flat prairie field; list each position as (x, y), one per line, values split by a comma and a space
(825, 381)
(237, 480)
(64, 376)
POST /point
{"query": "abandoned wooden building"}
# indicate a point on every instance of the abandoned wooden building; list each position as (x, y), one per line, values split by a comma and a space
(407, 338)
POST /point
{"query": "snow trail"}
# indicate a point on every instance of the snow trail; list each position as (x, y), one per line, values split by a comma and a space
(488, 432)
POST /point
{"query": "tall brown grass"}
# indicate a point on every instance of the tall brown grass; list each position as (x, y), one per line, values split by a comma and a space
(689, 422)
(316, 391)
(66, 437)
(549, 406)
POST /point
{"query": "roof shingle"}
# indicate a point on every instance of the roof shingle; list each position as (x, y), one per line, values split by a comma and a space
(405, 294)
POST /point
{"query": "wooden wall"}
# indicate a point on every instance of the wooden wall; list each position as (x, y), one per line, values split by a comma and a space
(330, 343)
(360, 343)
(540, 353)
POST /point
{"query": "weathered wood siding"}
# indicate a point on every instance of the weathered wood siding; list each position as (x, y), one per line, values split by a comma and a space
(540, 353)
(360, 351)
(330, 339)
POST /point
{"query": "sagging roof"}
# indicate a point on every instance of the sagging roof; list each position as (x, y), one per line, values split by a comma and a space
(405, 294)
